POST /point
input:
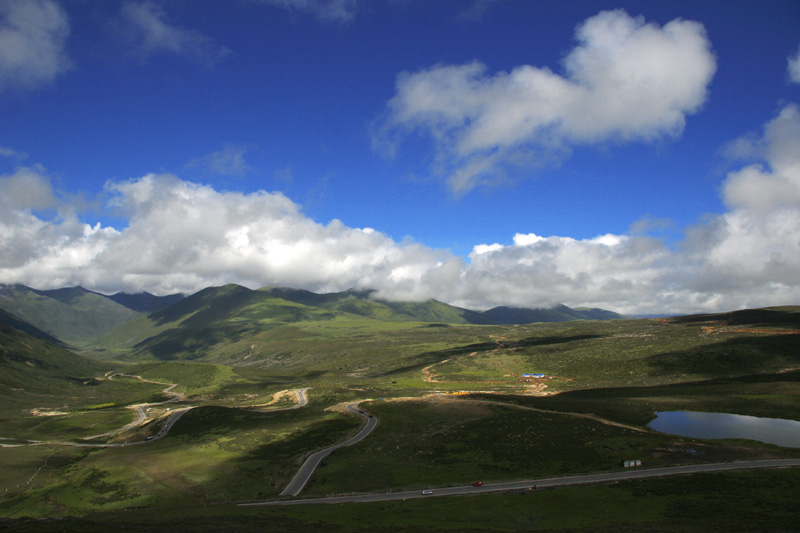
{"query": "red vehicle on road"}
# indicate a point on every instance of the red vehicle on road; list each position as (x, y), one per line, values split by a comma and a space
(478, 484)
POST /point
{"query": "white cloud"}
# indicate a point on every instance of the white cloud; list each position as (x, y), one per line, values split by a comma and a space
(8, 152)
(746, 257)
(149, 32)
(226, 162)
(183, 236)
(33, 34)
(758, 241)
(27, 188)
(331, 10)
(793, 67)
(626, 80)
(762, 190)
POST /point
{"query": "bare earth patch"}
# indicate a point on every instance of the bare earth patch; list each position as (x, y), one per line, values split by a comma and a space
(43, 411)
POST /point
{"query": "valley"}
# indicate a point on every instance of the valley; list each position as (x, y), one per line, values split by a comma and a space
(219, 398)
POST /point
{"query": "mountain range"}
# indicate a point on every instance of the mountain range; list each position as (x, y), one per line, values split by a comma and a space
(225, 324)
(76, 314)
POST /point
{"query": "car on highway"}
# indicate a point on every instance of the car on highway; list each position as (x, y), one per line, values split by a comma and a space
(427, 492)
(478, 484)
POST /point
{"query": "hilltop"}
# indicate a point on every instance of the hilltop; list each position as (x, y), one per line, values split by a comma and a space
(71, 315)
(78, 317)
(74, 315)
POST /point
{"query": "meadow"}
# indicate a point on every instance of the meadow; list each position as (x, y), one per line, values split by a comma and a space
(601, 383)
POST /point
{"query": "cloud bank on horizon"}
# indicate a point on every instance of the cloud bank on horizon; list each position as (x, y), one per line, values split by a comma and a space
(181, 236)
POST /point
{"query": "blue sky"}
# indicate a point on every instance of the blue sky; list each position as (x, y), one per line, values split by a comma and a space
(636, 156)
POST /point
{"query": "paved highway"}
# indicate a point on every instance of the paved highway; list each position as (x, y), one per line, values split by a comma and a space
(304, 474)
(302, 400)
(141, 414)
(541, 483)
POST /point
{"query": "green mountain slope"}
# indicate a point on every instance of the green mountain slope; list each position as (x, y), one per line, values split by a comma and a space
(73, 315)
(237, 325)
(33, 365)
(198, 326)
(558, 313)
(83, 318)
(363, 303)
(144, 302)
(15, 322)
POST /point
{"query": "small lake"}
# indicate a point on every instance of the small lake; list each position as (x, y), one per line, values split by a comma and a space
(727, 426)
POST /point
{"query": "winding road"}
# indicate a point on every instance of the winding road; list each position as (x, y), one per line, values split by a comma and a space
(304, 474)
(141, 417)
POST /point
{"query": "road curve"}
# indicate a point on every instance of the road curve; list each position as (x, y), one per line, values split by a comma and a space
(141, 415)
(543, 483)
(304, 474)
(302, 401)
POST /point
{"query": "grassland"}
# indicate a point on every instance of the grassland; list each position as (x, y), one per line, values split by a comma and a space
(601, 384)
(719, 502)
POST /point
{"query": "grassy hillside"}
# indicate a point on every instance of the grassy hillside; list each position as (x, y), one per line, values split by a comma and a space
(703, 502)
(144, 302)
(363, 303)
(558, 313)
(34, 365)
(15, 322)
(280, 326)
(72, 315)
(192, 328)
(236, 325)
(610, 376)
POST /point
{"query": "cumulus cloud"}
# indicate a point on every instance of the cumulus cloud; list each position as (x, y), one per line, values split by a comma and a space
(761, 189)
(746, 257)
(26, 188)
(149, 32)
(33, 35)
(331, 10)
(758, 241)
(793, 67)
(226, 162)
(626, 80)
(561, 269)
(183, 236)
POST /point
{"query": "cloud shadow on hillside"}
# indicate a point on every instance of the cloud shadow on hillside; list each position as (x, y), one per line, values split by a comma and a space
(735, 356)
(428, 358)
